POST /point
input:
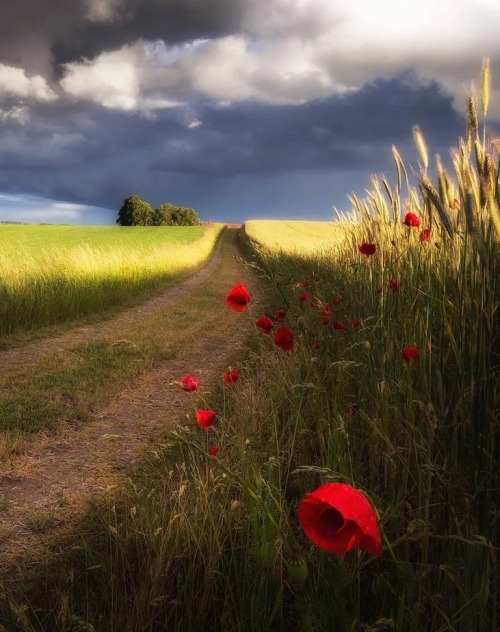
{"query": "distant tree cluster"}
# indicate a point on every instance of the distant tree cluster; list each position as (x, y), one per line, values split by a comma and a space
(137, 212)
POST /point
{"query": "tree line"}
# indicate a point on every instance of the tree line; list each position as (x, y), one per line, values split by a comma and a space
(137, 212)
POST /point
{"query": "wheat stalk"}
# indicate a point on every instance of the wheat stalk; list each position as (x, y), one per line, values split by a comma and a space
(421, 146)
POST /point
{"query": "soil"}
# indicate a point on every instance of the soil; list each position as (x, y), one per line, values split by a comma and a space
(44, 489)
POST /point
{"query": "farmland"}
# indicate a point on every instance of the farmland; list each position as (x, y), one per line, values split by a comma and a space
(55, 274)
(369, 359)
(295, 237)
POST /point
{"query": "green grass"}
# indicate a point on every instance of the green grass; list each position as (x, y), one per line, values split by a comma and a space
(41, 242)
(69, 384)
(58, 274)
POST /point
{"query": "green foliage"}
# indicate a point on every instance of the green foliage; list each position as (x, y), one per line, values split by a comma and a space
(135, 212)
(170, 215)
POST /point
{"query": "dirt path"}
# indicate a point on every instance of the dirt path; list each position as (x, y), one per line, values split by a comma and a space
(45, 487)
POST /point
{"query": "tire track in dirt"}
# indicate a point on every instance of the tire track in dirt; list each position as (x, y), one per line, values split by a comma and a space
(53, 478)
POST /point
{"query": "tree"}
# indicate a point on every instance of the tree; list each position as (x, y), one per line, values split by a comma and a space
(163, 215)
(170, 215)
(135, 212)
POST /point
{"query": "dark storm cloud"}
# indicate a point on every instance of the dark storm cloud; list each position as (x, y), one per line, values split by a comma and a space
(87, 154)
(174, 22)
(35, 34)
(29, 28)
(339, 132)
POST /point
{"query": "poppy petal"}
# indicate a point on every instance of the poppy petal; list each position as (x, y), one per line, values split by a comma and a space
(237, 298)
(284, 339)
(338, 517)
(205, 418)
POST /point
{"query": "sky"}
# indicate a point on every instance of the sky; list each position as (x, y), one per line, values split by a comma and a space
(241, 109)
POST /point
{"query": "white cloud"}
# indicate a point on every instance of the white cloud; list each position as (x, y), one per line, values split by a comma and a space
(15, 83)
(18, 113)
(292, 51)
(111, 80)
(297, 50)
(126, 79)
(33, 208)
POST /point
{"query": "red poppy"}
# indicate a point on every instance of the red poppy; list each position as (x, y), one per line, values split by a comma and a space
(411, 220)
(284, 339)
(425, 235)
(232, 376)
(355, 323)
(280, 314)
(205, 418)
(350, 410)
(314, 304)
(338, 517)
(189, 382)
(265, 323)
(304, 297)
(336, 300)
(238, 298)
(213, 451)
(337, 324)
(315, 345)
(326, 314)
(395, 285)
(304, 283)
(367, 249)
(410, 353)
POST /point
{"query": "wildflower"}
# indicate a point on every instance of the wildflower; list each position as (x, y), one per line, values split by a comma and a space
(265, 323)
(314, 304)
(367, 249)
(337, 324)
(425, 235)
(238, 298)
(232, 376)
(337, 517)
(284, 339)
(213, 451)
(411, 220)
(315, 345)
(326, 314)
(350, 410)
(304, 297)
(410, 353)
(280, 314)
(205, 418)
(355, 323)
(394, 285)
(304, 282)
(189, 382)
(336, 300)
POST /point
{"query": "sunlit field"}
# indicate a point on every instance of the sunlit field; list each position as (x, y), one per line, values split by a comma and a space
(299, 237)
(52, 274)
(376, 367)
